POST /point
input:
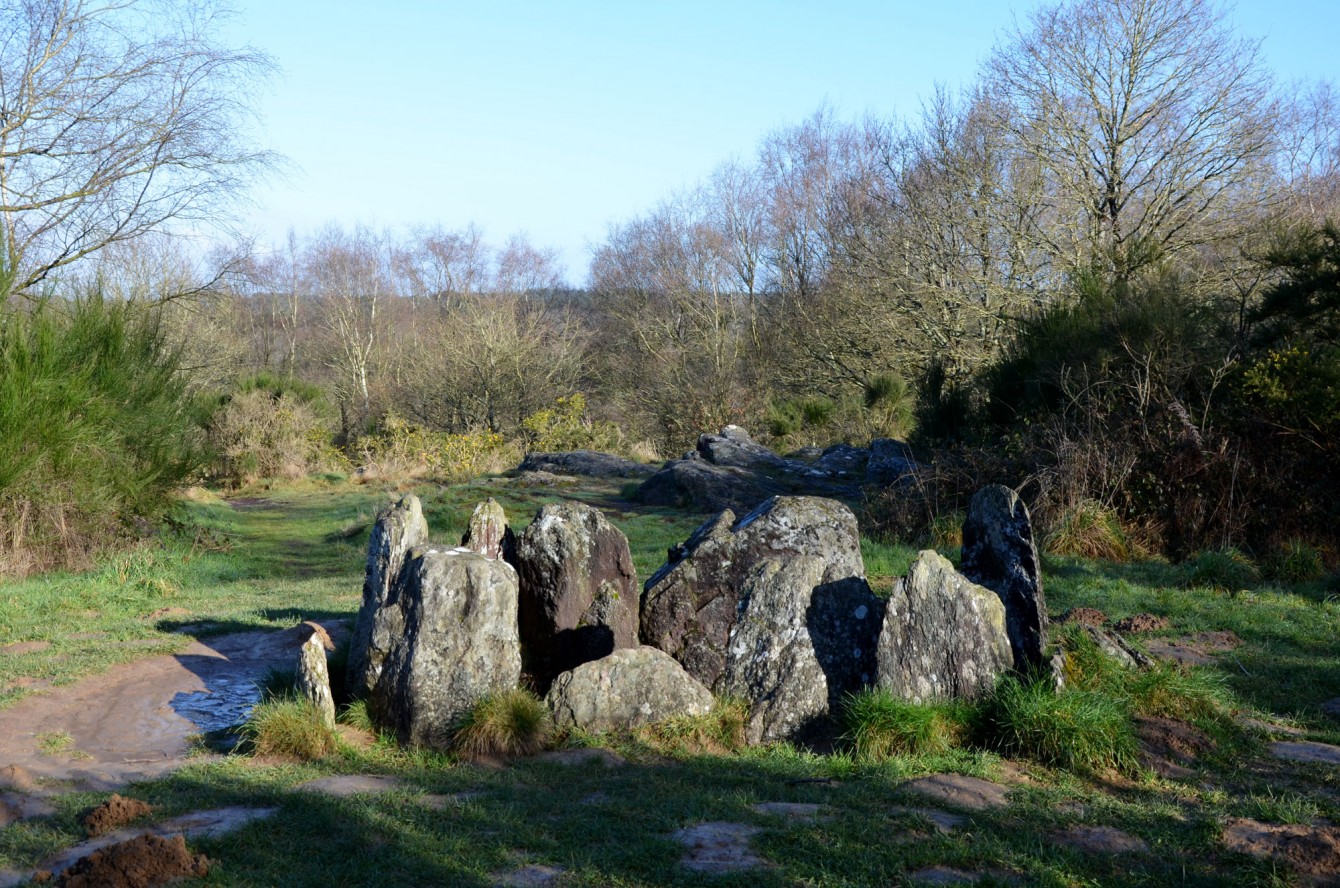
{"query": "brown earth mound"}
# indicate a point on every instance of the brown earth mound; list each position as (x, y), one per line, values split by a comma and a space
(1313, 850)
(112, 814)
(1142, 623)
(1084, 616)
(1169, 747)
(141, 862)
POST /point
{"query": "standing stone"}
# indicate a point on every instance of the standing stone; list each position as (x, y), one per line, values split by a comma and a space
(770, 662)
(999, 553)
(314, 678)
(578, 590)
(690, 605)
(398, 529)
(944, 637)
(450, 637)
(631, 687)
(488, 533)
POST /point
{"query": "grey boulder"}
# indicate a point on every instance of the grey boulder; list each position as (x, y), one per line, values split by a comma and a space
(449, 632)
(488, 533)
(944, 637)
(397, 530)
(579, 594)
(690, 606)
(630, 687)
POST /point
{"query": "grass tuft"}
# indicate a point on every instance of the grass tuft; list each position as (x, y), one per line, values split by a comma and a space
(1167, 690)
(1296, 562)
(719, 731)
(1080, 730)
(1089, 530)
(504, 723)
(1226, 570)
(880, 726)
(288, 726)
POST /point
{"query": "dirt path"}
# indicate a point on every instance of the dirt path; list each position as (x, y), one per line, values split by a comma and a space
(136, 720)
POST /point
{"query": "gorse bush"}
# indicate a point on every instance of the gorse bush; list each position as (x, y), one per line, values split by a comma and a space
(567, 426)
(260, 433)
(95, 429)
(402, 450)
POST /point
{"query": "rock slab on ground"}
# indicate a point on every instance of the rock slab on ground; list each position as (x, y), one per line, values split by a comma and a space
(630, 687)
(1311, 850)
(591, 463)
(959, 790)
(578, 588)
(449, 632)
(690, 606)
(718, 847)
(396, 531)
(1000, 554)
(944, 637)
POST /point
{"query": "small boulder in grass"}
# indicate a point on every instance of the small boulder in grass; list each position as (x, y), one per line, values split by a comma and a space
(629, 688)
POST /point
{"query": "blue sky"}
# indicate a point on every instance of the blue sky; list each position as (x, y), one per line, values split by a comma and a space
(559, 118)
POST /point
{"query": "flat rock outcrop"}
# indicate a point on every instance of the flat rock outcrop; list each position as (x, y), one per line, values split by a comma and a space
(579, 595)
(630, 687)
(690, 606)
(999, 553)
(449, 632)
(943, 637)
(397, 530)
(591, 463)
(730, 470)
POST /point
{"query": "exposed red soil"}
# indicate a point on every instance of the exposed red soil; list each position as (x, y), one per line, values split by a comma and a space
(1142, 623)
(114, 813)
(1311, 850)
(1170, 747)
(142, 862)
(1084, 616)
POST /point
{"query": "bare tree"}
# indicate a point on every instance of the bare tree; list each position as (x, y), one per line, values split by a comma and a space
(116, 116)
(1147, 117)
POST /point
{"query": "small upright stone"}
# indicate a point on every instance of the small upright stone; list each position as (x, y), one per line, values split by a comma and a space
(999, 553)
(488, 533)
(398, 529)
(944, 637)
(314, 678)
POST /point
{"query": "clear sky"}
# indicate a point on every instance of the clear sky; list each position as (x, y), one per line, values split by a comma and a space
(558, 118)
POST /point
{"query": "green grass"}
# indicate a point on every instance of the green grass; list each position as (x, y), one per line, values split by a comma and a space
(503, 724)
(288, 726)
(294, 553)
(880, 726)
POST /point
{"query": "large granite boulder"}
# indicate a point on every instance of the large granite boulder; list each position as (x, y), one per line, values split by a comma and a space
(397, 530)
(698, 484)
(579, 596)
(944, 637)
(449, 632)
(731, 470)
(630, 687)
(591, 463)
(690, 605)
(488, 533)
(999, 553)
(800, 646)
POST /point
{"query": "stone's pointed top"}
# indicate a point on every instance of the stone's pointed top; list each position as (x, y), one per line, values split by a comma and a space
(488, 533)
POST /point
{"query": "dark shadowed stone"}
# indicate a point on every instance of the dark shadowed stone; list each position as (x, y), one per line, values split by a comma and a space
(631, 687)
(690, 605)
(696, 483)
(999, 553)
(844, 619)
(591, 463)
(397, 530)
(488, 533)
(843, 460)
(449, 629)
(890, 461)
(579, 596)
(943, 637)
(734, 447)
